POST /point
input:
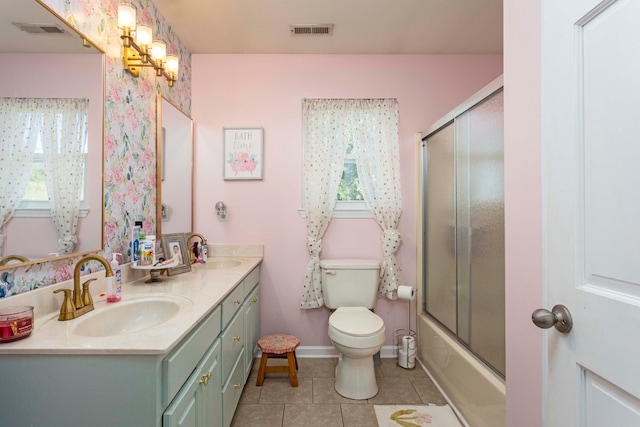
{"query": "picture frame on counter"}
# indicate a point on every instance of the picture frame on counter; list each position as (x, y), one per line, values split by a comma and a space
(243, 153)
(175, 246)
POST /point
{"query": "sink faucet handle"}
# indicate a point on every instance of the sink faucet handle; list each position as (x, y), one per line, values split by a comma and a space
(67, 310)
(86, 295)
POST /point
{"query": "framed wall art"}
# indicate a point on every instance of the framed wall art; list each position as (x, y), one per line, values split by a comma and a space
(243, 153)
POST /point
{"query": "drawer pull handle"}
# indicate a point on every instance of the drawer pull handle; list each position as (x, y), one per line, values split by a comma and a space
(236, 338)
(205, 379)
(254, 299)
(237, 385)
(237, 301)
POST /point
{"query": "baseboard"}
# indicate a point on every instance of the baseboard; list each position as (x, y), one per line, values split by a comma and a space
(319, 352)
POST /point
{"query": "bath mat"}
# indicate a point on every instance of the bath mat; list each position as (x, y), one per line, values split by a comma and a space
(415, 416)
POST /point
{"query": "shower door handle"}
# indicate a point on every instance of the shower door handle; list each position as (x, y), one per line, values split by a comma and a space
(559, 316)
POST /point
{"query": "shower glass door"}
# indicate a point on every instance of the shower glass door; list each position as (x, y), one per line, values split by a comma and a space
(464, 242)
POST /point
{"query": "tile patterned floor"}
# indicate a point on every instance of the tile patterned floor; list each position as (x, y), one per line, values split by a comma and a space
(315, 402)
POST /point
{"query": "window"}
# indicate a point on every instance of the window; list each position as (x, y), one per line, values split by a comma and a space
(51, 132)
(349, 122)
(35, 203)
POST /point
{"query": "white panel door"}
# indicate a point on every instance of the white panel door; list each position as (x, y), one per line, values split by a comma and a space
(591, 169)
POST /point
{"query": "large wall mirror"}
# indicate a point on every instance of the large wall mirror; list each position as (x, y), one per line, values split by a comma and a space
(175, 169)
(52, 92)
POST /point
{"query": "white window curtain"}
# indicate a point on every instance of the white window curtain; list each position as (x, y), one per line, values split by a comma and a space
(325, 146)
(377, 151)
(18, 138)
(373, 126)
(64, 141)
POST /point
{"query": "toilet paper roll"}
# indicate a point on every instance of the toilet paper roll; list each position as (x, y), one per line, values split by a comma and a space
(411, 343)
(402, 359)
(405, 343)
(405, 360)
(406, 293)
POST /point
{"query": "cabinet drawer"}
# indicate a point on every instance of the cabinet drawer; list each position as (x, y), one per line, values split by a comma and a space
(232, 344)
(231, 304)
(179, 364)
(232, 390)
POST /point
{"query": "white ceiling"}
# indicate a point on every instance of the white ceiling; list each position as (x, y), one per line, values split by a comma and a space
(361, 26)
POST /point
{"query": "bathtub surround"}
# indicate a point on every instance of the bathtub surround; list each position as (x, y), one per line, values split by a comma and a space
(461, 191)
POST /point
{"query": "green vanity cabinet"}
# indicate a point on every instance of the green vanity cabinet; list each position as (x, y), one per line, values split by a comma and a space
(211, 393)
(238, 337)
(198, 383)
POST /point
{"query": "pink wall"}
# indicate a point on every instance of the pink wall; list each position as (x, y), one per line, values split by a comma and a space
(523, 214)
(64, 76)
(267, 91)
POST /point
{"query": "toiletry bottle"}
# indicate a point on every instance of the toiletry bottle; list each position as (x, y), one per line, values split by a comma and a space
(117, 273)
(204, 249)
(135, 245)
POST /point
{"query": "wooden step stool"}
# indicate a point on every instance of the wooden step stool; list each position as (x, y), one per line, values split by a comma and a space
(279, 346)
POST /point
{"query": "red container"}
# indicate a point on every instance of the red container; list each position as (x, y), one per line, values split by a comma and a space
(16, 322)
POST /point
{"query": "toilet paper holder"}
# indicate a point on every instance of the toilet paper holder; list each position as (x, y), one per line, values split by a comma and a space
(406, 345)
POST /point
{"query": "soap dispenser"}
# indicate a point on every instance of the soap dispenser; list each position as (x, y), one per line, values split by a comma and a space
(114, 291)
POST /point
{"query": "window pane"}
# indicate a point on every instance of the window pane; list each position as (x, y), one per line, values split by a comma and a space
(37, 189)
(349, 185)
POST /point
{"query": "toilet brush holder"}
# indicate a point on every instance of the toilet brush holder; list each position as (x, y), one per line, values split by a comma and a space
(407, 348)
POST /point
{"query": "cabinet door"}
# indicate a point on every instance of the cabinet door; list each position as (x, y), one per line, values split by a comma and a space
(251, 328)
(198, 404)
(184, 411)
(212, 396)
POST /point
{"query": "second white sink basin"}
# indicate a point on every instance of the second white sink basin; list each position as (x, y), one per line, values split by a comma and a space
(128, 317)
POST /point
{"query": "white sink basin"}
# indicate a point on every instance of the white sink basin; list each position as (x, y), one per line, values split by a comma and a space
(127, 317)
(224, 263)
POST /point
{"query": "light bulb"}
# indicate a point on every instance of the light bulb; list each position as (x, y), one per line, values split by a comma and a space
(158, 50)
(126, 16)
(172, 64)
(143, 35)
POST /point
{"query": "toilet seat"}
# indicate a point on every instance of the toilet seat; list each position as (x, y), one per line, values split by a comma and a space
(356, 327)
(356, 321)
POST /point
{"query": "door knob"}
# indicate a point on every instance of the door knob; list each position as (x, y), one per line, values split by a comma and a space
(559, 317)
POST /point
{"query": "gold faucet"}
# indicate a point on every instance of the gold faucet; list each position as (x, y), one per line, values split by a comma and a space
(82, 302)
(192, 256)
(8, 258)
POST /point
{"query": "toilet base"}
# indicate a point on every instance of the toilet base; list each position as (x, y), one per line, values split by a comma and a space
(356, 378)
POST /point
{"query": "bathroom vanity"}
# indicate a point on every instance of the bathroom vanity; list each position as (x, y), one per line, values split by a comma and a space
(182, 362)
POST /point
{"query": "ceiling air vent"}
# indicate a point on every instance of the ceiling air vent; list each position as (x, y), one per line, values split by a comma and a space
(311, 30)
(39, 28)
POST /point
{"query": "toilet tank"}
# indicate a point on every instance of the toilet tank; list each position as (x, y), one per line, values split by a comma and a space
(350, 282)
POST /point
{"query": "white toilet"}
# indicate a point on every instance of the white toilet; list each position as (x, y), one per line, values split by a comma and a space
(350, 286)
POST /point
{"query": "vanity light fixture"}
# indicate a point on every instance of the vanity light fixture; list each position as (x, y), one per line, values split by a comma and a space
(144, 51)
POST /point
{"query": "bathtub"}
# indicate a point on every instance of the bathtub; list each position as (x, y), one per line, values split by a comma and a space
(474, 391)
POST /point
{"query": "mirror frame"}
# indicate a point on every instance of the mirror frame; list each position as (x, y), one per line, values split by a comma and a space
(160, 159)
(84, 38)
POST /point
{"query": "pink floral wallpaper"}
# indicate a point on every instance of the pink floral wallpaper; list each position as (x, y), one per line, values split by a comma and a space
(130, 133)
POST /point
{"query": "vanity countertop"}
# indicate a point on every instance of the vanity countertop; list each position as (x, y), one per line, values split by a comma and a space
(201, 290)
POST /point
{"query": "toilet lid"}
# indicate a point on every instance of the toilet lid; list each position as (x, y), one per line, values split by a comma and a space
(357, 321)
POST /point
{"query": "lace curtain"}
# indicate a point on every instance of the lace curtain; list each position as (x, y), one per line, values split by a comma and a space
(64, 143)
(377, 151)
(325, 145)
(18, 138)
(372, 125)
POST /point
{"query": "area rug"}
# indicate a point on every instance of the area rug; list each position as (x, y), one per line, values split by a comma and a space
(415, 416)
